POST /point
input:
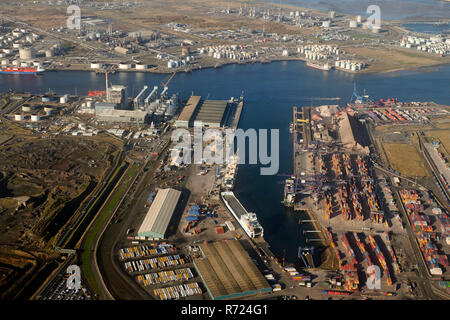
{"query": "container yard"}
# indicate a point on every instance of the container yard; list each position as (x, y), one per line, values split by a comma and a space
(428, 235)
(352, 202)
(177, 292)
(155, 263)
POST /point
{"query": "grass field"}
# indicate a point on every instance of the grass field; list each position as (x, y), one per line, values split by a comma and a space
(103, 216)
(442, 135)
(405, 159)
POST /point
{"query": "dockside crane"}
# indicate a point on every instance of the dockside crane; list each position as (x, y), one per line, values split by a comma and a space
(168, 81)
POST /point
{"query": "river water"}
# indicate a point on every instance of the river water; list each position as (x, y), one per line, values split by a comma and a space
(390, 9)
(270, 92)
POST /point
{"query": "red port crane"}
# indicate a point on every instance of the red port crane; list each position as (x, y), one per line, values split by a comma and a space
(168, 81)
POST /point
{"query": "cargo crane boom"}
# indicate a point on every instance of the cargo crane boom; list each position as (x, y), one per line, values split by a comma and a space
(151, 95)
(168, 81)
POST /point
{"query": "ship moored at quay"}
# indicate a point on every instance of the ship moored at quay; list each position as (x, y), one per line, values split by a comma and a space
(247, 220)
(21, 71)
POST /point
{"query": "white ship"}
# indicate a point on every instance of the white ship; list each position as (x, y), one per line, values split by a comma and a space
(247, 220)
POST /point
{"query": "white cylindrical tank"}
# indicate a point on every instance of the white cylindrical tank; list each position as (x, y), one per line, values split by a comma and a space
(5, 62)
(96, 65)
(35, 117)
(326, 24)
(16, 63)
(353, 24)
(89, 104)
(141, 66)
(18, 117)
(7, 51)
(63, 99)
(124, 66)
(17, 45)
(48, 110)
(24, 64)
(358, 19)
(27, 108)
(332, 14)
(48, 53)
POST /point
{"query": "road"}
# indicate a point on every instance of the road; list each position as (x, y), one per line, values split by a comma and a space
(120, 285)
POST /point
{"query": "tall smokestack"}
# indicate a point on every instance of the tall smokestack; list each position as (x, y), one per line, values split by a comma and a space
(107, 88)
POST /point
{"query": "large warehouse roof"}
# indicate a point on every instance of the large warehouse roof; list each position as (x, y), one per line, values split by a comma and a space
(189, 109)
(158, 216)
(228, 272)
(211, 112)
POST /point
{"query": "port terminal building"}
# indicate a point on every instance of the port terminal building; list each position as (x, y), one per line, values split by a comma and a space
(159, 214)
(228, 272)
(208, 113)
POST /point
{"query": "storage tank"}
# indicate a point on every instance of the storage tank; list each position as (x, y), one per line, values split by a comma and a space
(326, 24)
(5, 62)
(7, 51)
(46, 99)
(17, 45)
(48, 110)
(27, 108)
(125, 66)
(48, 53)
(375, 30)
(332, 14)
(64, 99)
(16, 63)
(353, 24)
(25, 64)
(96, 65)
(35, 117)
(141, 66)
(358, 19)
(18, 117)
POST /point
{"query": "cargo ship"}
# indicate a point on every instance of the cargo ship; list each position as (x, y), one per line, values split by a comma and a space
(19, 70)
(289, 192)
(323, 67)
(247, 220)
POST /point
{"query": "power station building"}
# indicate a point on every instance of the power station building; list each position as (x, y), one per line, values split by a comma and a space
(159, 215)
(124, 116)
(228, 272)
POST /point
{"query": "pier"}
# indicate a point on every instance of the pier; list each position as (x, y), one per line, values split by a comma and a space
(237, 115)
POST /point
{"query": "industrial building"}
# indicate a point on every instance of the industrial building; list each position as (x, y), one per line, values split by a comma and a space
(211, 113)
(159, 215)
(127, 116)
(117, 94)
(100, 106)
(186, 118)
(228, 272)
